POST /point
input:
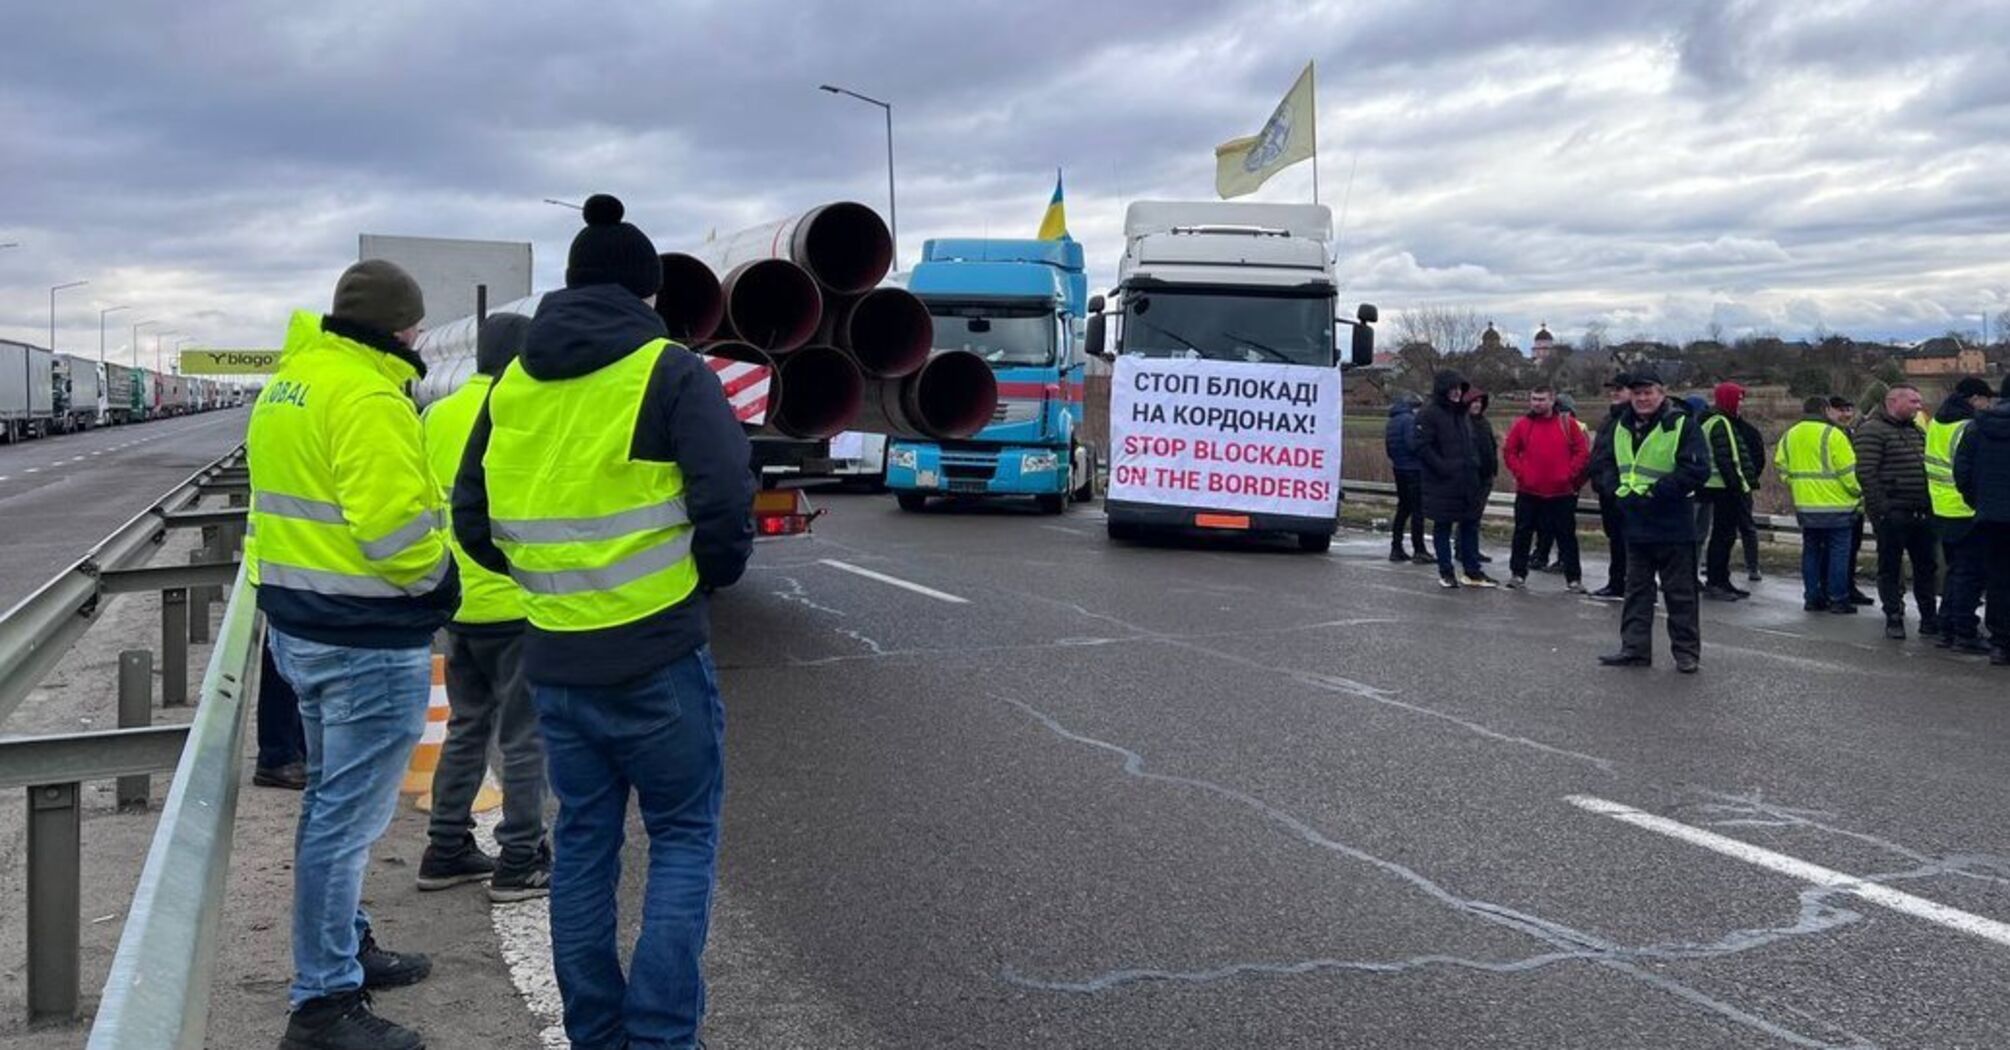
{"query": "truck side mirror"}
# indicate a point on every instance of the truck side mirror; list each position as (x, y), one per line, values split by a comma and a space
(1364, 346)
(1093, 337)
(1095, 304)
(1367, 314)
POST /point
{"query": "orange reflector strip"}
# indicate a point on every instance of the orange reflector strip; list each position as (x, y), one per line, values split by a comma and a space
(776, 501)
(1221, 521)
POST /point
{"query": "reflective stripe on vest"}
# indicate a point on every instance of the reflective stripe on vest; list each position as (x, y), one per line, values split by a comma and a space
(1737, 458)
(1942, 441)
(595, 538)
(1652, 460)
(1818, 483)
(486, 597)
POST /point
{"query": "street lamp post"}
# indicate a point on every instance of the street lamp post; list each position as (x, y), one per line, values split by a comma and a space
(53, 289)
(136, 340)
(157, 346)
(892, 209)
(102, 314)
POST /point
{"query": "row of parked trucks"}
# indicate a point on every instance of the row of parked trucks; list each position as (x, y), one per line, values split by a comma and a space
(43, 393)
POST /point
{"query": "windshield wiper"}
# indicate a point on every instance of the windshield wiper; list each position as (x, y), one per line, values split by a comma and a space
(1255, 345)
(1184, 341)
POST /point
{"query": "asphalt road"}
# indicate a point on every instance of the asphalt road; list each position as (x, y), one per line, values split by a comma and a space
(1189, 796)
(61, 495)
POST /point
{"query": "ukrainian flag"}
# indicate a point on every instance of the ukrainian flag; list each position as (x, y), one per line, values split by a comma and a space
(1054, 225)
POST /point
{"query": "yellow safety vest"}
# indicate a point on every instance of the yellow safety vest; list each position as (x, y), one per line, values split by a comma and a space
(595, 538)
(486, 597)
(1942, 441)
(1717, 480)
(1819, 470)
(1640, 467)
(342, 504)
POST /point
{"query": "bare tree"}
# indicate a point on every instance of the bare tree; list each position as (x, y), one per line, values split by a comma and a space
(1448, 329)
(2003, 327)
(1715, 333)
(1593, 338)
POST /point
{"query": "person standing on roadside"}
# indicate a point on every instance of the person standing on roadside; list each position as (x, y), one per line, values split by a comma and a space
(1605, 482)
(1547, 453)
(609, 477)
(1891, 466)
(1752, 455)
(1659, 458)
(1982, 474)
(1842, 412)
(1399, 441)
(485, 685)
(1965, 547)
(1543, 560)
(353, 576)
(1818, 463)
(1725, 494)
(1477, 403)
(1454, 496)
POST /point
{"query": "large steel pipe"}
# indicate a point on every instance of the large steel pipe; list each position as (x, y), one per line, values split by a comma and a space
(817, 392)
(952, 396)
(771, 303)
(887, 330)
(844, 245)
(691, 303)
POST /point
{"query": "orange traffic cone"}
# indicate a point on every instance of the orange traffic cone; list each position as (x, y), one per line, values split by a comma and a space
(426, 756)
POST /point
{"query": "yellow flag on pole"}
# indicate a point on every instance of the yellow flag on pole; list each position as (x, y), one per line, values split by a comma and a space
(1054, 224)
(1291, 135)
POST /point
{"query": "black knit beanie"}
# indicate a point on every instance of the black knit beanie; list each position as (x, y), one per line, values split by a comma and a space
(609, 251)
(379, 295)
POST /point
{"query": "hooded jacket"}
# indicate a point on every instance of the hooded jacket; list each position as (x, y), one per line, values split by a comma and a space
(1982, 465)
(1449, 448)
(1751, 451)
(1891, 466)
(1399, 438)
(1547, 455)
(1664, 515)
(685, 419)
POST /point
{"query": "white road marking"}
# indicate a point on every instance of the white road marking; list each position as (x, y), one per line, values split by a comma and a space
(1064, 528)
(34, 470)
(1918, 907)
(895, 581)
(523, 932)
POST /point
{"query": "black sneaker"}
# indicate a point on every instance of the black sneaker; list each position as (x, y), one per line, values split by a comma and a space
(1929, 627)
(1721, 593)
(1688, 664)
(1486, 559)
(1609, 594)
(1945, 641)
(1999, 657)
(1857, 597)
(385, 969)
(1398, 554)
(1894, 628)
(1448, 581)
(1843, 608)
(440, 869)
(522, 882)
(1972, 646)
(1625, 660)
(345, 1022)
(1755, 576)
(292, 776)
(1815, 605)
(1422, 558)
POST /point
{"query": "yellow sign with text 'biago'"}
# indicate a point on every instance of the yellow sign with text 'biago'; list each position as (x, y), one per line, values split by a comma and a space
(229, 362)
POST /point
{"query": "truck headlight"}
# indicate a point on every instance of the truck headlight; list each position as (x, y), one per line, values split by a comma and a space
(1037, 462)
(902, 457)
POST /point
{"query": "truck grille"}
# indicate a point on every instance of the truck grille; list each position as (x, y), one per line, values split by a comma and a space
(968, 466)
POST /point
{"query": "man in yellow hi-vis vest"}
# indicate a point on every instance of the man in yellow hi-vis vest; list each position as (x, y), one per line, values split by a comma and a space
(1655, 457)
(349, 555)
(608, 476)
(485, 683)
(1961, 545)
(1818, 464)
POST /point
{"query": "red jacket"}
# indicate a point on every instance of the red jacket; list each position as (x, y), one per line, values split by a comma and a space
(1548, 457)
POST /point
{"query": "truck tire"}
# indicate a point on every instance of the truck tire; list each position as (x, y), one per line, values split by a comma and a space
(1315, 542)
(1083, 476)
(1051, 502)
(912, 502)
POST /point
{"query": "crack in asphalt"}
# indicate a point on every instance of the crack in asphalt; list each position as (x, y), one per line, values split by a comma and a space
(1569, 944)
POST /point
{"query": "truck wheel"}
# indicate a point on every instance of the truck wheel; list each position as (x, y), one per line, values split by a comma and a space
(1315, 542)
(912, 502)
(1084, 476)
(1051, 502)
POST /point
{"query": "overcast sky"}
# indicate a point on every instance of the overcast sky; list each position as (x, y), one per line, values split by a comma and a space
(1785, 167)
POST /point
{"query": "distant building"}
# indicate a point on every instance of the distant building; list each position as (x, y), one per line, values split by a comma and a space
(1545, 343)
(1490, 339)
(1945, 356)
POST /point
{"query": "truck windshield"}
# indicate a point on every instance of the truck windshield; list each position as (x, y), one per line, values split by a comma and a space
(1007, 336)
(1230, 326)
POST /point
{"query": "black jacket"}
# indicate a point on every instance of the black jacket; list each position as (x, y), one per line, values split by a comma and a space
(1666, 514)
(1604, 473)
(1752, 449)
(685, 419)
(1982, 465)
(1891, 467)
(1449, 449)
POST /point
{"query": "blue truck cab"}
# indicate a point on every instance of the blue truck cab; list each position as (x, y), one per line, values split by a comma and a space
(1020, 305)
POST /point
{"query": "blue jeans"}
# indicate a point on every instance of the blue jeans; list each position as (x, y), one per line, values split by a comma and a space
(363, 709)
(660, 738)
(1825, 564)
(1469, 545)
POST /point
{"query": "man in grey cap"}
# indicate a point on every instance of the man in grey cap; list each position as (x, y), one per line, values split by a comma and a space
(349, 554)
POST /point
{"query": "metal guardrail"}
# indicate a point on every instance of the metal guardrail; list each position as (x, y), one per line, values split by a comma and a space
(1501, 505)
(157, 995)
(34, 636)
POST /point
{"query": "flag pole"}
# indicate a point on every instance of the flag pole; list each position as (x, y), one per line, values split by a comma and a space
(1312, 67)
